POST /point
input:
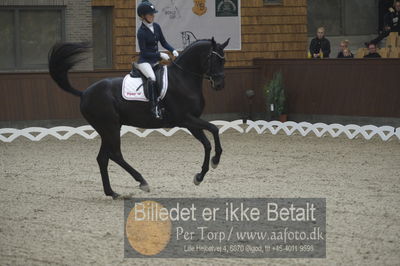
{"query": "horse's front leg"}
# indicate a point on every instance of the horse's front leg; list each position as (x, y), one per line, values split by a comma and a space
(201, 124)
(199, 134)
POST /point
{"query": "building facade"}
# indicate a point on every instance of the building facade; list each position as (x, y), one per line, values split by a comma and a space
(275, 32)
(270, 29)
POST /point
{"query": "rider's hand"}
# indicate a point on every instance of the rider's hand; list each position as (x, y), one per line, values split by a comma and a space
(164, 56)
(175, 53)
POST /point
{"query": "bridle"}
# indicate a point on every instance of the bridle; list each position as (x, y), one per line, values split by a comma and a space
(208, 75)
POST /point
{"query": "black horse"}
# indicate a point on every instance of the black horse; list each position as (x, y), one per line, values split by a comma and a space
(104, 108)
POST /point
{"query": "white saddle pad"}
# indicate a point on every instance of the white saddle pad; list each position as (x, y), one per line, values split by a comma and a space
(133, 88)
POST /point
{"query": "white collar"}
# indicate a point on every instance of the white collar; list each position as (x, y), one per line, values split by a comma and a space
(148, 25)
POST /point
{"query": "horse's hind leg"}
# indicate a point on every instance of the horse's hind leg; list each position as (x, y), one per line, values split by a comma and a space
(199, 134)
(118, 158)
(111, 149)
(102, 160)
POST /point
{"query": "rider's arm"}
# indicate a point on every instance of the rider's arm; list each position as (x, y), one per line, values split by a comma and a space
(163, 42)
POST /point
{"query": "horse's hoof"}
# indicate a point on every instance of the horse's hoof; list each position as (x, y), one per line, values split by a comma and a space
(196, 179)
(145, 188)
(213, 163)
(115, 195)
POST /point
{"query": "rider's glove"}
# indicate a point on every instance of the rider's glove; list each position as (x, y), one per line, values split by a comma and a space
(175, 53)
(164, 56)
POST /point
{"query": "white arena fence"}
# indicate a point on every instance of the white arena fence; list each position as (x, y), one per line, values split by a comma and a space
(274, 127)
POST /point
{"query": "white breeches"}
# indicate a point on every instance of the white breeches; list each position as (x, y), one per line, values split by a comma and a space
(147, 70)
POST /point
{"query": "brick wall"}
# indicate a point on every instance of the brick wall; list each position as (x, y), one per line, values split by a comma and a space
(78, 26)
(124, 31)
(271, 31)
(78, 21)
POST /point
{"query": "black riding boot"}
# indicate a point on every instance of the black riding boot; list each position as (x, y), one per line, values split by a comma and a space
(133, 70)
(153, 95)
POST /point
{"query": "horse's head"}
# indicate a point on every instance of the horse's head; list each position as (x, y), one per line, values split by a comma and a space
(215, 64)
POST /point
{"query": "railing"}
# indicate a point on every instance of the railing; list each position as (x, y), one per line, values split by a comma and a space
(385, 133)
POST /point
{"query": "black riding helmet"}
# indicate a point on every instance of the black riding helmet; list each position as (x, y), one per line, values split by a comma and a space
(145, 7)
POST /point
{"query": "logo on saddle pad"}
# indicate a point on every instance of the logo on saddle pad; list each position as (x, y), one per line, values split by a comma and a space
(133, 88)
(199, 7)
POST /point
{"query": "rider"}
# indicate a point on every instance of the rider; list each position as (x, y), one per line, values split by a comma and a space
(149, 34)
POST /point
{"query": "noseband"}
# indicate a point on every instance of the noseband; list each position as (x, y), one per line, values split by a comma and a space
(208, 76)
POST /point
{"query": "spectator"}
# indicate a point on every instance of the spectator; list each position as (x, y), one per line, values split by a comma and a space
(320, 47)
(347, 53)
(384, 6)
(391, 23)
(344, 46)
(372, 52)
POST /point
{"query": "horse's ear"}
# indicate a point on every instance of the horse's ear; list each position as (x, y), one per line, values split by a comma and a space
(213, 43)
(225, 44)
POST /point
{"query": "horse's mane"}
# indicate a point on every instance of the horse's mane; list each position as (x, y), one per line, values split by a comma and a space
(194, 44)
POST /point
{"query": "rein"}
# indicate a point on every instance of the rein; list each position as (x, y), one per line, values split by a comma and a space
(208, 76)
(187, 71)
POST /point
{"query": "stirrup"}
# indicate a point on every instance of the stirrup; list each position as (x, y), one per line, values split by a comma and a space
(158, 112)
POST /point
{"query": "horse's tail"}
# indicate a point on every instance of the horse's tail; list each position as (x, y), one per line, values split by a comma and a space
(62, 57)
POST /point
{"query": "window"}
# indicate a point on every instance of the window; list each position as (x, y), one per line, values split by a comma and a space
(27, 34)
(343, 17)
(102, 37)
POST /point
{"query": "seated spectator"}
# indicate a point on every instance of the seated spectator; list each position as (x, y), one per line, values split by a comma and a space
(320, 47)
(344, 46)
(372, 52)
(347, 54)
(391, 23)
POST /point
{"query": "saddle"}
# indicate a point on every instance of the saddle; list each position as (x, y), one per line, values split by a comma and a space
(159, 73)
(135, 84)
